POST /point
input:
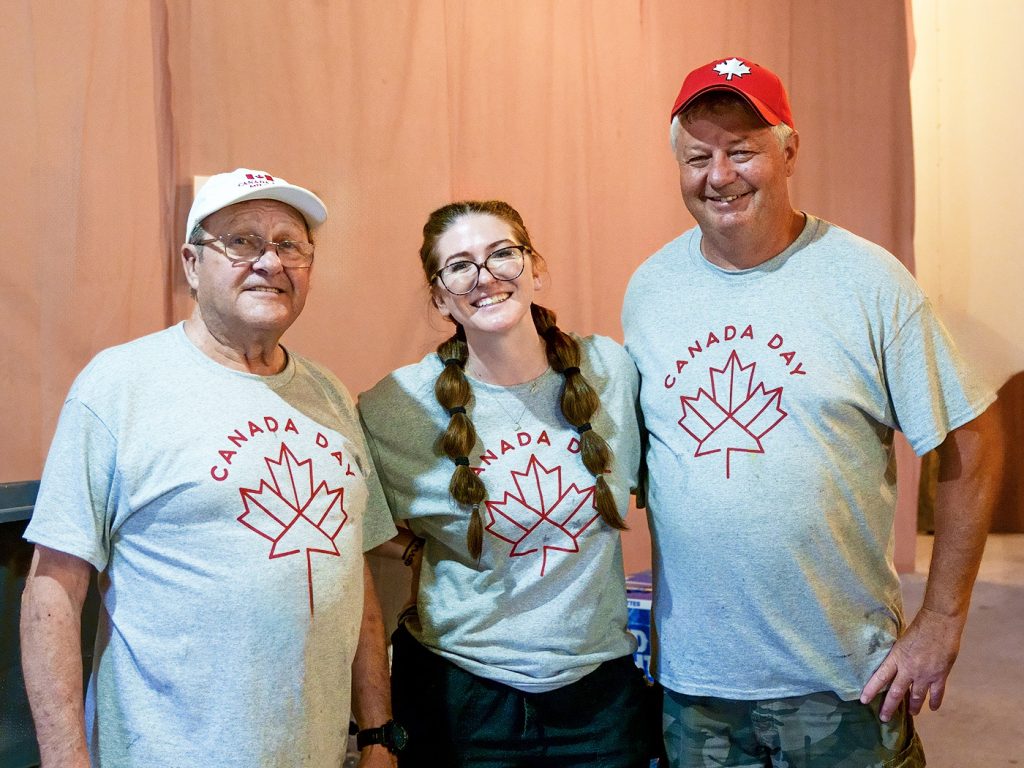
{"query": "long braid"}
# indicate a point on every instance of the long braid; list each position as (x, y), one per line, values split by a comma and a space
(579, 404)
(453, 393)
(579, 400)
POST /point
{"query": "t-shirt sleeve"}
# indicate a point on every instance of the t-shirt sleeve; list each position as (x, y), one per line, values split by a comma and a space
(375, 457)
(377, 527)
(377, 524)
(932, 388)
(75, 507)
(611, 362)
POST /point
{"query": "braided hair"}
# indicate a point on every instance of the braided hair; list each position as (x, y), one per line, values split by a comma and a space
(579, 401)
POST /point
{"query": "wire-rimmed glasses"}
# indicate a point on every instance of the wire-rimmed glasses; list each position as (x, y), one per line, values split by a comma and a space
(248, 249)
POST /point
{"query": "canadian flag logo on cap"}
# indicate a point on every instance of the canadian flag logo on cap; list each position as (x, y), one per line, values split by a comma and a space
(762, 88)
(731, 68)
(257, 180)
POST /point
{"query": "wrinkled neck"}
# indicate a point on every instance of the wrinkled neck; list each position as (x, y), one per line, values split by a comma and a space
(260, 354)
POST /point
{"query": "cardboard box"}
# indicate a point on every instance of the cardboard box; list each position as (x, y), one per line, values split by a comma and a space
(638, 622)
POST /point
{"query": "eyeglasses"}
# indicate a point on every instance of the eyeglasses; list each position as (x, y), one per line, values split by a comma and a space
(461, 277)
(248, 249)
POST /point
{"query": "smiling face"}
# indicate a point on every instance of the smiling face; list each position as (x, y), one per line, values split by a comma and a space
(493, 306)
(242, 302)
(733, 173)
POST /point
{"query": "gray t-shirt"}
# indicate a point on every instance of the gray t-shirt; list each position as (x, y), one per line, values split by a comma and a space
(227, 514)
(546, 602)
(771, 395)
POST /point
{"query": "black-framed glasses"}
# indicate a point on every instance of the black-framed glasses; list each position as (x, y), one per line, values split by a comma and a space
(248, 249)
(461, 277)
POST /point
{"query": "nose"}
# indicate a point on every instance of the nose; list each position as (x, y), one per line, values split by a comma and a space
(721, 171)
(485, 275)
(269, 261)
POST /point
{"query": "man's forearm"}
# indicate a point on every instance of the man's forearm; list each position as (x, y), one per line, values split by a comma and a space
(970, 477)
(51, 657)
(970, 473)
(371, 687)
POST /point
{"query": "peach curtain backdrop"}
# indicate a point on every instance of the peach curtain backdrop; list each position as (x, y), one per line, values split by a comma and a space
(388, 109)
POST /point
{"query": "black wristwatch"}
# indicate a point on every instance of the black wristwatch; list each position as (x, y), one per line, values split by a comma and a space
(391, 735)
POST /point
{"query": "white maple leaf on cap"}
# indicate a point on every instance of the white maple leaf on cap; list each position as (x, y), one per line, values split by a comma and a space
(731, 67)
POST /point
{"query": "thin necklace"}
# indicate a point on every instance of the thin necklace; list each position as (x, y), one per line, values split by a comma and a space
(516, 421)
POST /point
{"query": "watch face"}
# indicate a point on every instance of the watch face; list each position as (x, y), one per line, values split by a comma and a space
(395, 736)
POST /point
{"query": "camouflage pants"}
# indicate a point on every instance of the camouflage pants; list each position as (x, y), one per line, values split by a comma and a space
(816, 731)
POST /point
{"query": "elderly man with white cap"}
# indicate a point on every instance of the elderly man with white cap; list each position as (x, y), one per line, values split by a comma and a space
(220, 486)
(779, 354)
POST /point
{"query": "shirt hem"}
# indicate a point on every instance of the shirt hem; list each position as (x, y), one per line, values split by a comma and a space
(757, 694)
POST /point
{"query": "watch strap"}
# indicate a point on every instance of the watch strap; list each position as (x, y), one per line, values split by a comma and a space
(368, 737)
(391, 735)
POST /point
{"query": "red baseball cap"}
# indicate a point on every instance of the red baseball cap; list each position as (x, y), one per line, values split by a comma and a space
(761, 88)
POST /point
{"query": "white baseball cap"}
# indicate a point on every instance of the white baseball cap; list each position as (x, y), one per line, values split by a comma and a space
(242, 184)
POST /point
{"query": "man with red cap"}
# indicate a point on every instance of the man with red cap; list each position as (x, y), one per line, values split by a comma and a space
(779, 353)
(220, 486)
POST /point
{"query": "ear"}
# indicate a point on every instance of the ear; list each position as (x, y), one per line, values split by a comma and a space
(790, 151)
(189, 258)
(438, 298)
(539, 269)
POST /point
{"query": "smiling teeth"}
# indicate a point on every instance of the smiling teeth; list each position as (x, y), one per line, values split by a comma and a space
(492, 300)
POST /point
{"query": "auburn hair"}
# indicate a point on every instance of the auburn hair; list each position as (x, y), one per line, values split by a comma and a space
(579, 400)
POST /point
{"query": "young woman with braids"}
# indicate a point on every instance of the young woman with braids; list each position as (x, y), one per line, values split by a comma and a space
(509, 454)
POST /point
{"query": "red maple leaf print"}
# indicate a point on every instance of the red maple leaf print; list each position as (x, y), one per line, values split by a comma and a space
(541, 515)
(294, 514)
(735, 415)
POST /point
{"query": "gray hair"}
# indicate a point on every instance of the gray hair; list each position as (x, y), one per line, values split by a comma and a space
(194, 235)
(714, 100)
(194, 238)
